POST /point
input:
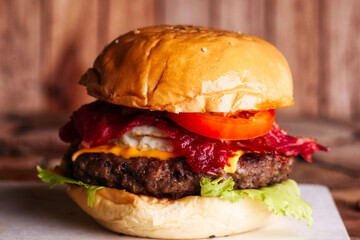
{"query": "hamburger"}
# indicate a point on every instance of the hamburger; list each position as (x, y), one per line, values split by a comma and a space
(182, 140)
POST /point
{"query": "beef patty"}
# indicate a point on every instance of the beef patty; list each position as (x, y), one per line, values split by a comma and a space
(174, 178)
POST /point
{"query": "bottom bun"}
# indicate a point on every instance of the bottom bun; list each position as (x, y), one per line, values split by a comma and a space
(188, 217)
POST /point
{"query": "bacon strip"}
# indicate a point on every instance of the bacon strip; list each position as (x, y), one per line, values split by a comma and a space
(98, 122)
(279, 142)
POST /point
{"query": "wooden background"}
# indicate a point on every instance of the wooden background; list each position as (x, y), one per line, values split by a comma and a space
(46, 45)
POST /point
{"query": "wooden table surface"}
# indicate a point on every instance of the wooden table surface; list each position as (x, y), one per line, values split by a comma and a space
(27, 142)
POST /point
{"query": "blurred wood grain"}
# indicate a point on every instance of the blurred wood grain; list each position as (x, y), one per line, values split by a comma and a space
(47, 44)
(122, 16)
(67, 49)
(341, 62)
(184, 12)
(242, 16)
(294, 29)
(20, 63)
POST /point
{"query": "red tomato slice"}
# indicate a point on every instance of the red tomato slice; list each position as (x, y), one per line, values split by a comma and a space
(227, 128)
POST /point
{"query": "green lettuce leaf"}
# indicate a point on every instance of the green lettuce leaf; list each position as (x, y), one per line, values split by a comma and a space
(54, 179)
(283, 198)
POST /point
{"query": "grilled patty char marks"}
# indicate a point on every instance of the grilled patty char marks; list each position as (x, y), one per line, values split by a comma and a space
(174, 178)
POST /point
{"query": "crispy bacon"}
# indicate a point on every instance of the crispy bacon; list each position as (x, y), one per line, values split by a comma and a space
(98, 122)
(279, 142)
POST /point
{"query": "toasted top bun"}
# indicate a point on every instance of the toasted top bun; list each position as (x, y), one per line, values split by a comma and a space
(189, 217)
(191, 69)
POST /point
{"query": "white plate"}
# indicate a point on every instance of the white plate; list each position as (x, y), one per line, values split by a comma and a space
(31, 211)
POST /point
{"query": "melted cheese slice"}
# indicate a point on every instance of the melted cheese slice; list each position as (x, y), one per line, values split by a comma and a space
(133, 152)
(125, 152)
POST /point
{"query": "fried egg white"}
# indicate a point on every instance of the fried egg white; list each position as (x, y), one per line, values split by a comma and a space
(144, 138)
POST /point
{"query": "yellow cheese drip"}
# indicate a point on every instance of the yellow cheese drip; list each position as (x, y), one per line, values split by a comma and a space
(233, 162)
(133, 152)
(125, 152)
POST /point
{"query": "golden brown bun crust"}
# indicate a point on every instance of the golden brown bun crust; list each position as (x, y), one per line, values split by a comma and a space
(191, 69)
(189, 217)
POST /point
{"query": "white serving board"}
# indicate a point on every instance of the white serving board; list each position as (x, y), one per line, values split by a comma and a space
(31, 211)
